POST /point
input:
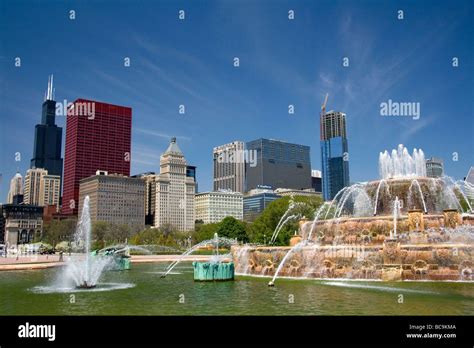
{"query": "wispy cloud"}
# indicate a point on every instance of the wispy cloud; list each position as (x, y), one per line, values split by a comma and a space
(160, 134)
(415, 126)
(147, 157)
(326, 80)
(141, 161)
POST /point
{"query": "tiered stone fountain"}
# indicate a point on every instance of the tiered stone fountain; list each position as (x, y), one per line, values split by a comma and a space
(404, 226)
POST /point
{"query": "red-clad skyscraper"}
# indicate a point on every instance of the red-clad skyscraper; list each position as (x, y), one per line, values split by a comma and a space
(98, 137)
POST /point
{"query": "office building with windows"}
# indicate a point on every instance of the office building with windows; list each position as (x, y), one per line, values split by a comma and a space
(316, 180)
(98, 137)
(214, 206)
(174, 191)
(21, 223)
(41, 188)
(229, 167)
(278, 164)
(334, 152)
(150, 195)
(114, 198)
(434, 167)
(255, 201)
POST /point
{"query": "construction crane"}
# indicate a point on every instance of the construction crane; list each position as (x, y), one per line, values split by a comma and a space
(321, 121)
(323, 107)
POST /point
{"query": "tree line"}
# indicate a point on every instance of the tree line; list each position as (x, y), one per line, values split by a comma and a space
(259, 231)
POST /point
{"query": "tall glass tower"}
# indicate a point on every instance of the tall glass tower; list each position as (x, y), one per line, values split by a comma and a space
(48, 137)
(334, 152)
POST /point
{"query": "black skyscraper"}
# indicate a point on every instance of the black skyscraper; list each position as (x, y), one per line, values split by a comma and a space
(277, 164)
(48, 137)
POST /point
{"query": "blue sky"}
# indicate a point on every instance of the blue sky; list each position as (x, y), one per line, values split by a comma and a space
(282, 62)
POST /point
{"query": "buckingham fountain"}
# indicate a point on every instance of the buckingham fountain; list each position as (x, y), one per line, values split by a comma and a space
(404, 226)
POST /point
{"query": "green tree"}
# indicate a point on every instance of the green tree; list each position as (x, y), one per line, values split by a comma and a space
(230, 227)
(146, 237)
(204, 232)
(59, 230)
(263, 227)
(100, 234)
(122, 233)
(167, 229)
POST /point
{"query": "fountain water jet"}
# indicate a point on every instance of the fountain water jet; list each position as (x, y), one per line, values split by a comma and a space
(214, 242)
(317, 214)
(85, 273)
(284, 219)
(410, 193)
(401, 164)
(283, 261)
(277, 231)
(396, 213)
(382, 182)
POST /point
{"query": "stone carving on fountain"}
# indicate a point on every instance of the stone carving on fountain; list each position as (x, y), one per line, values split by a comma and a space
(359, 235)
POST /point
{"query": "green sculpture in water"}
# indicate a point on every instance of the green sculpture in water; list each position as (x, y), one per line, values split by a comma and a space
(213, 271)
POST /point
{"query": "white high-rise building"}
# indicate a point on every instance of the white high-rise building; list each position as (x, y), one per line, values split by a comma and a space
(174, 191)
(215, 206)
(229, 167)
(41, 188)
(16, 187)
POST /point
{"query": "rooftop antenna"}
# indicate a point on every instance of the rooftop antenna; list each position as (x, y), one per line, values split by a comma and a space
(50, 90)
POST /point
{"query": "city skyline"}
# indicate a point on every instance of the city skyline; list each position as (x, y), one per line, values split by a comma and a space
(194, 67)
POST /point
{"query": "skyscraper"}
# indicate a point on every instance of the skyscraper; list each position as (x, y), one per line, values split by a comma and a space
(48, 137)
(434, 167)
(174, 191)
(41, 188)
(16, 188)
(32, 188)
(229, 167)
(98, 137)
(277, 164)
(334, 152)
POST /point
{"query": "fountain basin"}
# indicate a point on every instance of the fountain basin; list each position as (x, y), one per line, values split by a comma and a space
(388, 261)
(376, 229)
(86, 286)
(213, 271)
